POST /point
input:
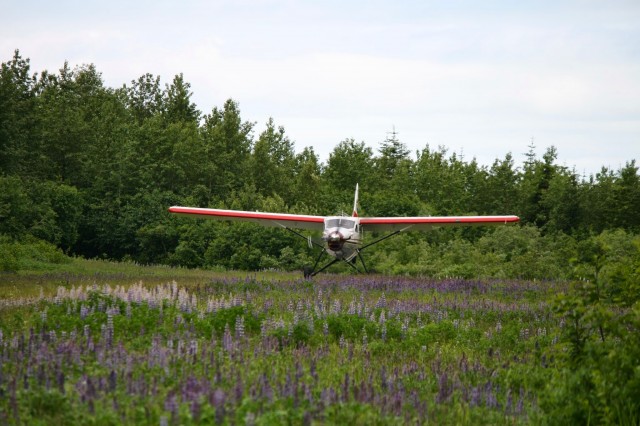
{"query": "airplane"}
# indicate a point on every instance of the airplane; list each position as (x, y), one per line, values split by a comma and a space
(342, 235)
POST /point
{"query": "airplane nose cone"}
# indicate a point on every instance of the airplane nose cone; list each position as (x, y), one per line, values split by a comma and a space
(335, 241)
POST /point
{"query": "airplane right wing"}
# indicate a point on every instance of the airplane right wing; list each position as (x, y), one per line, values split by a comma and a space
(427, 222)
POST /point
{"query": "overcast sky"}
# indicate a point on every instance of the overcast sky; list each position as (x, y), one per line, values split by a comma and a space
(482, 78)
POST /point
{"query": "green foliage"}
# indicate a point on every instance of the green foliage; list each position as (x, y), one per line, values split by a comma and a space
(93, 169)
(350, 327)
(32, 254)
(598, 381)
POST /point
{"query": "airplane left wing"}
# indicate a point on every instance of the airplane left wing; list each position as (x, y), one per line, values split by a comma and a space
(283, 220)
(426, 222)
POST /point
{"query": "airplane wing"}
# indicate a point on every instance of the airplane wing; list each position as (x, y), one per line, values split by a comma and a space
(283, 220)
(427, 222)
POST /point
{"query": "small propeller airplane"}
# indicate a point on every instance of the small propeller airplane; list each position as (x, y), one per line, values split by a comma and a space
(342, 235)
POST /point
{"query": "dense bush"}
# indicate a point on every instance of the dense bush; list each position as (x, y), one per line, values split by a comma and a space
(30, 254)
(599, 380)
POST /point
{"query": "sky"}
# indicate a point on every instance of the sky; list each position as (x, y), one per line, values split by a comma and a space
(481, 78)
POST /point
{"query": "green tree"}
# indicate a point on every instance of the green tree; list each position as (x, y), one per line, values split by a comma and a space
(273, 161)
(444, 183)
(17, 115)
(144, 98)
(227, 149)
(393, 159)
(627, 198)
(561, 202)
(70, 108)
(15, 207)
(501, 189)
(177, 105)
(596, 199)
(307, 182)
(349, 163)
(536, 179)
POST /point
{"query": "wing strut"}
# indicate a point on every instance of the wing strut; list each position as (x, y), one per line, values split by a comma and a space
(309, 239)
(382, 239)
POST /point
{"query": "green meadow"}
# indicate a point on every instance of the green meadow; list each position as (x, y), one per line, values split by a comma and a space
(94, 342)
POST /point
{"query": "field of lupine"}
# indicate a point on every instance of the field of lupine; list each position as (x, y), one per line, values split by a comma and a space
(274, 350)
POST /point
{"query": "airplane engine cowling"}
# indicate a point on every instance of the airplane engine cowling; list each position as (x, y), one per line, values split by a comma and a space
(335, 241)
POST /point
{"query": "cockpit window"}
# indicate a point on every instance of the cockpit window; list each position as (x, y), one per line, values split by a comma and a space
(341, 223)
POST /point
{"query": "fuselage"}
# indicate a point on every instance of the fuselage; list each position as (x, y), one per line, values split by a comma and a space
(342, 236)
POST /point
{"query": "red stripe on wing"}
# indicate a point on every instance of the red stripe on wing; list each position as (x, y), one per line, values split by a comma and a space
(240, 215)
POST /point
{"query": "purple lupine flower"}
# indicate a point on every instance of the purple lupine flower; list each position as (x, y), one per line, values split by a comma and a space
(475, 396)
(193, 350)
(520, 405)
(383, 378)
(217, 400)
(490, 397)
(266, 389)
(345, 387)
(171, 404)
(238, 390)
(112, 381)
(227, 339)
(109, 330)
(444, 390)
(352, 308)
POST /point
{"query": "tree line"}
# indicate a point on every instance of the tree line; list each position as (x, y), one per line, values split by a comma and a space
(92, 169)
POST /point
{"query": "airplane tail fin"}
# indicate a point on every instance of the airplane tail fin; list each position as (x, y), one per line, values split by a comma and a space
(355, 203)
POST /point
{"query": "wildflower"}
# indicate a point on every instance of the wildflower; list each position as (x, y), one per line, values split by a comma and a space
(227, 340)
(171, 404)
(444, 390)
(240, 327)
(218, 400)
(112, 381)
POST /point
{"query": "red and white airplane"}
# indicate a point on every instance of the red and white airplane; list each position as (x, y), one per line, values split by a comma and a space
(342, 235)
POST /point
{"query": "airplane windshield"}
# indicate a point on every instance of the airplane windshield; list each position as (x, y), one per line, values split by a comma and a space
(341, 223)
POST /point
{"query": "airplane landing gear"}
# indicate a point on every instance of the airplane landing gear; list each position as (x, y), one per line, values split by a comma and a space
(308, 272)
(352, 260)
